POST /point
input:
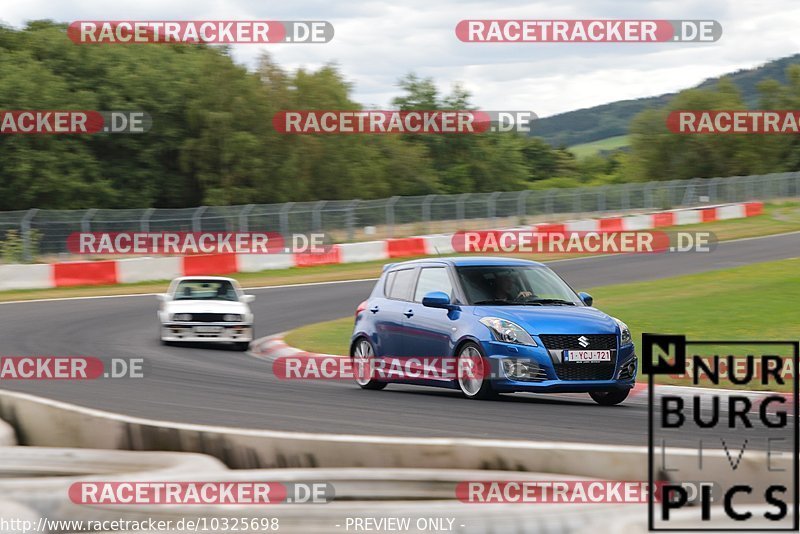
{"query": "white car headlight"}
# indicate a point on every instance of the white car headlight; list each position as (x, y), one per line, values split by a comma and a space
(182, 317)
(508, 332)
(231, 317)
(625, 331)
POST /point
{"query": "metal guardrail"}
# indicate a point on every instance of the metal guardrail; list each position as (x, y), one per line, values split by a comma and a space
(44, 232)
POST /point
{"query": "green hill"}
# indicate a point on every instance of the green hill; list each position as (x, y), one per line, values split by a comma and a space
(611, 120)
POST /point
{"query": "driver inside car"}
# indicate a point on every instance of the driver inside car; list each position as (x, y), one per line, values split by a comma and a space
(505, 289)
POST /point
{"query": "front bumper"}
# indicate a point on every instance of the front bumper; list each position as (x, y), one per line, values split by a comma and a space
(549, 380)
(219, 332)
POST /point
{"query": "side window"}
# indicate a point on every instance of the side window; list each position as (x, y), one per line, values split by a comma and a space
(387, 286)
(433, 279)
(403, 282)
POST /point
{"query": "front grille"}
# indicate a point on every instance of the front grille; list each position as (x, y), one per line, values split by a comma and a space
(585, 371)
(572, 342)
(207, 317)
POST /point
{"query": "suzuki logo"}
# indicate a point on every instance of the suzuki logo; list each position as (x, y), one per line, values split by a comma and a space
(583, 341)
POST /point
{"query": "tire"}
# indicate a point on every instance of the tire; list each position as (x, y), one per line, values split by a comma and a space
(480, 388)
(362, 354)
(609, 398)
(242, 345)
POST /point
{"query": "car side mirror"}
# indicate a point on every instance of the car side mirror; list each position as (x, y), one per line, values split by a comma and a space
(247, 299)
(586, 298)
(437, 299)
(163, 297)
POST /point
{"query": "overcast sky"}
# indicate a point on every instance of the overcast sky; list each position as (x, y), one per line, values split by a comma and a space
(377, 42)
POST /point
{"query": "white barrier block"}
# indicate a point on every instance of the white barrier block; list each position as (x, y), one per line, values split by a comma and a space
(733, 211)
(633, 223)
(439, 244)
(253, 263)
(585, 225)
(36, 276)
(144, 269)
(688, 217)
(366, 251)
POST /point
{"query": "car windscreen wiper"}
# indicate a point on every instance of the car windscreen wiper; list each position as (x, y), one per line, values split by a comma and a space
(494, 301)
(551, 301)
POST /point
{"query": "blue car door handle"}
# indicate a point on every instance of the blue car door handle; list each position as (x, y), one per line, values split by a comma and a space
(374, 309)
(408, 313)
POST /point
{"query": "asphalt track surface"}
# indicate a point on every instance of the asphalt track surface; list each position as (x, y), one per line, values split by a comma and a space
(218, 386)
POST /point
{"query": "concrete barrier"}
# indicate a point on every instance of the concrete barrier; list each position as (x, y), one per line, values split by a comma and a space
(146, 269)
(36, 276)
(7, 436)
(19, 519)
(253, 263)
(45, 422)
(366, 251)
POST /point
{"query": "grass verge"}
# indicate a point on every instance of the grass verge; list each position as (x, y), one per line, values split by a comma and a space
(756, 301)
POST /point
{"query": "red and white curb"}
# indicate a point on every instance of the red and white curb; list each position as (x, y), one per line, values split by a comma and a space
(272, 347)
(111, 272)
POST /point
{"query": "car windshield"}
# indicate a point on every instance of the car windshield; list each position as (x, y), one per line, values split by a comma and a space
(205, 290)
(527, 285)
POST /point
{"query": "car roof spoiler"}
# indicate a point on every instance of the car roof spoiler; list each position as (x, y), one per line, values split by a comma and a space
(388, 266)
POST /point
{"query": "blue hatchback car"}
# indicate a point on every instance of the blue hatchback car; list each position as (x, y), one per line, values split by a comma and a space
(519, 317)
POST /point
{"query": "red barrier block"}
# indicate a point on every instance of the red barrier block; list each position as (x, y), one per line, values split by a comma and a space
(751, 209)
(708, 214)
(309, 259)
(406, 246)
(663, 219)
(207, 264)
(612, 224)
(551, 228)
(85, 273)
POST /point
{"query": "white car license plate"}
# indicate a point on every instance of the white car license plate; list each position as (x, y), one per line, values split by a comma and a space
(587, 356)
(208, 329)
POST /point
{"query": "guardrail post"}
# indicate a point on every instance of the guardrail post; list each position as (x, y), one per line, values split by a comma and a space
(86, 220)
(25, 230)
(426, 211)
(460, 211)
(144, 222)
(522, 205)
(390, 214)
(626, 196)
(601, 198)
(548, 201)
(491, 206)
(316, 216)
(244, 223)
(648, 195)
(351, 219)
(196, 222)
(283, 215)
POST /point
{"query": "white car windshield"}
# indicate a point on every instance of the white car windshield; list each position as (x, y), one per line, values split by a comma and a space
(205, 290)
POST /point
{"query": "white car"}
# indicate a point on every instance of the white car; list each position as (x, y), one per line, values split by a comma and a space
(206, 308)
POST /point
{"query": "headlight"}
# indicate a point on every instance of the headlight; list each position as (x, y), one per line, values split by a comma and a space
(626, 333)
(182, 317)
(508, 332)
(230, 317)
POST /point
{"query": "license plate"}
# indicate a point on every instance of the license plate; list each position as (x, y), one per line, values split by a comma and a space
(208, 329)
(587, 356)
